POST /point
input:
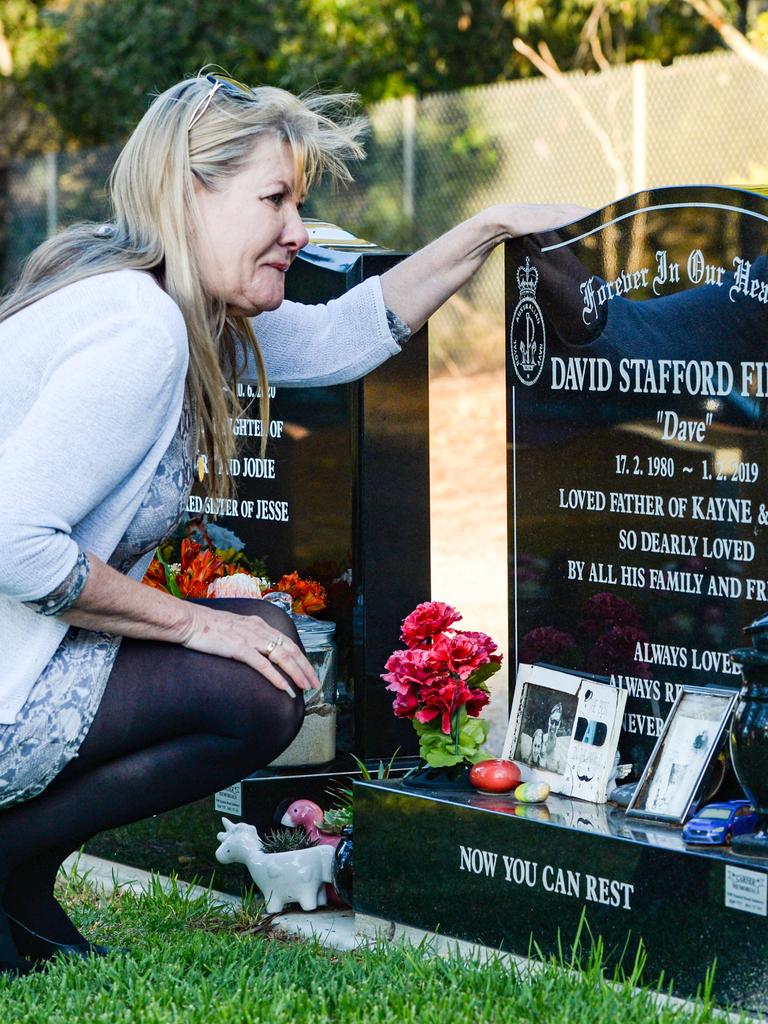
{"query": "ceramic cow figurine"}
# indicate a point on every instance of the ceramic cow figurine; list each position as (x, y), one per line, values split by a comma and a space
(295, 877)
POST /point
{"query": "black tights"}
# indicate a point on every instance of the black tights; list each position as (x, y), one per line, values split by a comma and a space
(173, 726)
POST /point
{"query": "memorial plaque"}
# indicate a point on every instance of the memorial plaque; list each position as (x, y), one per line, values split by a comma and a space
(637, 383)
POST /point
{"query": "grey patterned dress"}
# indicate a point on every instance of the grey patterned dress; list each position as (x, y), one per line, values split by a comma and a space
(61, 706)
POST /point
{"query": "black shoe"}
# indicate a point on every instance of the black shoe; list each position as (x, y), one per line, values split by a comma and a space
(15, 968)
(36, 946)
(11, 964)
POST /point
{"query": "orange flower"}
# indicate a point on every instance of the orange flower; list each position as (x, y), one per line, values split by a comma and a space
(311, 600)
(195, 573)
(155, 575)
(193, 580)
(308, 596)
(288, 582)
(190, 549)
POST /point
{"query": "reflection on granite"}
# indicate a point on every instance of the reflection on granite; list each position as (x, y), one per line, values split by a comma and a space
(636, 497)
(578, 815)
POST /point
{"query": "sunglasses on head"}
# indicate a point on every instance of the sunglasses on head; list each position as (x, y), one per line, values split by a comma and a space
(228, 85)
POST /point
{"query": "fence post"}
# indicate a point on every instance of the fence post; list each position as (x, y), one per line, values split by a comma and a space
(51, 193)
(409, 155)
(639, 124)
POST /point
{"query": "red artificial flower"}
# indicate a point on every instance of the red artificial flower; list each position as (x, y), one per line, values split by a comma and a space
(461, 652)
(443, 700)
(439, 680)
(432, 677)
(476, 702)
(485, 643)
(407, 668)
(406, 704)
(426, 621)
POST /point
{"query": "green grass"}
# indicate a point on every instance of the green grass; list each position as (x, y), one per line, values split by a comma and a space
(192, 962)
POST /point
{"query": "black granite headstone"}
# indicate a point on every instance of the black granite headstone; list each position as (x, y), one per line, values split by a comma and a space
(345, 480)
(637, 383)
(552, 879)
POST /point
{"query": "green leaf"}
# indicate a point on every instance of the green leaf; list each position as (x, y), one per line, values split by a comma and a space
(383, 771)
(439, 750)
(477, 680)
(170, 580)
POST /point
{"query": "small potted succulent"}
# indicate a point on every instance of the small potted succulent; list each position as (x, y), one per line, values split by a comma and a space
(339, 820)
(287, 865)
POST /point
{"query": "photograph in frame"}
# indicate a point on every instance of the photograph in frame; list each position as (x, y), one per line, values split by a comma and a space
(691, 739)
(564, 729)
(546, 728)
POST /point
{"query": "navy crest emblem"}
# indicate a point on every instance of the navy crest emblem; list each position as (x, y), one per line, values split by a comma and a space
(527, 337)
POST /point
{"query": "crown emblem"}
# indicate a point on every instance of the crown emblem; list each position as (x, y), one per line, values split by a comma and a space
(527, 333)
(527, 279)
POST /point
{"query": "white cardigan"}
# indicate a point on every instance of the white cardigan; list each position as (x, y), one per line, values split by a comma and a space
(91, 391)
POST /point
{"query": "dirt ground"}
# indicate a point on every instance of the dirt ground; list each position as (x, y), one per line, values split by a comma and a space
(468, 508)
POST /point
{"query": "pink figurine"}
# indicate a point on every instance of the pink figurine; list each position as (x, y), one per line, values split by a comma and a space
(308, 814)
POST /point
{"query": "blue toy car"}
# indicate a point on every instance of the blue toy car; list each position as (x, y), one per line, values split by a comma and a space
(717, 824)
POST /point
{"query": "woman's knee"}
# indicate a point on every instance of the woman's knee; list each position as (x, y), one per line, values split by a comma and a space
(257, 708)
(280, 620)
(267, 721)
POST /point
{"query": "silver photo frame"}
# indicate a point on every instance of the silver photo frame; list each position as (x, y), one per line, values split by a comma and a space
(690, 740)
(564, 730)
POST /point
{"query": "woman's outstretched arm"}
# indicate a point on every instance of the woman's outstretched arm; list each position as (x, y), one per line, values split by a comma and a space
(341, 340)
(420, 284)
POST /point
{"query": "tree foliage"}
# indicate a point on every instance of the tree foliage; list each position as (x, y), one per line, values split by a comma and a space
(590, 34)
(112, 58)
(27, 42)
(98, 62)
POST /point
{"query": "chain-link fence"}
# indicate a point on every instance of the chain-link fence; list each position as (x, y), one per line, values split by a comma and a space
(48, 192)
(434, 161)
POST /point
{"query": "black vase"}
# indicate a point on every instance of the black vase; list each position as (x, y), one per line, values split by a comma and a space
(749, 734)
(341, 872)
(454, 776)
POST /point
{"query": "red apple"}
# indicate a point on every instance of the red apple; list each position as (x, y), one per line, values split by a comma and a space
(494, 775)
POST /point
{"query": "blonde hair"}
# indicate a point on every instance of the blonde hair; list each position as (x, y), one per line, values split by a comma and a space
(194, 130)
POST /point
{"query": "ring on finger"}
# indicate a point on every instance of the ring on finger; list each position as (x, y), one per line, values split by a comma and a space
(273, 643)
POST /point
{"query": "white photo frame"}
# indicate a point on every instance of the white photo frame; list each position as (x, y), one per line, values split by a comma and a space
(691, 738)
(564, 728)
